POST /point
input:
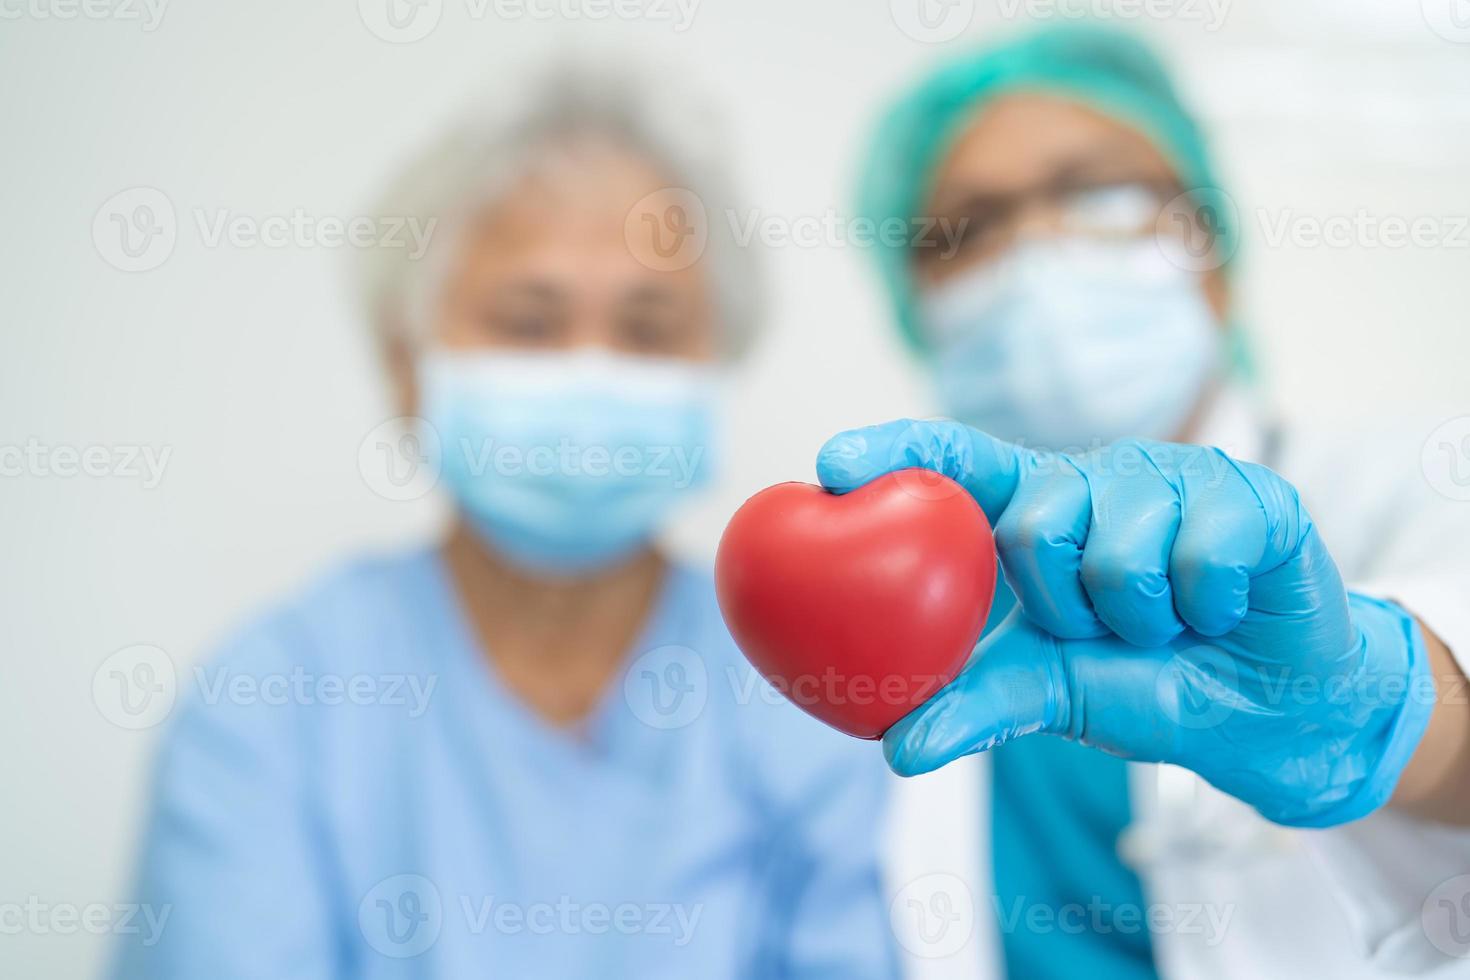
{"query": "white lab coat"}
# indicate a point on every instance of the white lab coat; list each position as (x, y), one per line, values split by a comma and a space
(1342, 903)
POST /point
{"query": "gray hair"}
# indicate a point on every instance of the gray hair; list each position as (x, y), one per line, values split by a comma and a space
(481, 157)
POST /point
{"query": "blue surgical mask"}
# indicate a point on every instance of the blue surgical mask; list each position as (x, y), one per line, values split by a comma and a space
(566, 462)
(1068, 343)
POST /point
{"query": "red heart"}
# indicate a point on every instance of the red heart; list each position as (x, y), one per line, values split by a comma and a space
(858, 607)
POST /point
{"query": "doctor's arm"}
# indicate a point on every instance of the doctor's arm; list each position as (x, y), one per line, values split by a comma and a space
(1174, 605)
(1435, 785)
(1417, 558)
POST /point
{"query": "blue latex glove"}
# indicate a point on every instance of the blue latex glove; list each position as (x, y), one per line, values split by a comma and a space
(1174, 605)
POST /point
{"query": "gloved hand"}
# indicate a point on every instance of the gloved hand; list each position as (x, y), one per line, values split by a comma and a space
(1173, 605)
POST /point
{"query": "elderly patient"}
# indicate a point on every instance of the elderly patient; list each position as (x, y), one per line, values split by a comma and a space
(581, 778)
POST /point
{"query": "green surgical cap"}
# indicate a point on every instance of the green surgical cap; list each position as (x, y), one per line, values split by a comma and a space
(1109, 71)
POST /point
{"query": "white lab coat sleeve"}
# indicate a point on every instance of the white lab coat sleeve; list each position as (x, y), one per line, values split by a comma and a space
(1386, 868)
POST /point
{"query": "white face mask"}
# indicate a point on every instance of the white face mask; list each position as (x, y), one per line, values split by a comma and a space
(1069, 343)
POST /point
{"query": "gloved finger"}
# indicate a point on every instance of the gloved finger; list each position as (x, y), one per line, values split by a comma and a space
(1295, 576)
(1155, 704)
(1125, 564)
(1287, 522)
(1307, 585)
(1012, 687)
(987, 468)
(1040, 542)
(1221, 539)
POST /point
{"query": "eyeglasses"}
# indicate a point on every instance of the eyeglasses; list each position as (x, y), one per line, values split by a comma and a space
(988, 224)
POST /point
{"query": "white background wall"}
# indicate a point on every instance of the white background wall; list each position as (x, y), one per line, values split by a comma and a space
(249, 366)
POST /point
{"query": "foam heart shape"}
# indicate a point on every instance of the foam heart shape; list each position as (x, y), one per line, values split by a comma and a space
(858, 607)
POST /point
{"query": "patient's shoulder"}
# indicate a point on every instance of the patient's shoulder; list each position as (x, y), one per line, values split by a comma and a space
(348, 615)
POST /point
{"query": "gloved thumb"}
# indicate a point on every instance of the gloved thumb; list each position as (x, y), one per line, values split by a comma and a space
(1012, 686)
(1156, 704)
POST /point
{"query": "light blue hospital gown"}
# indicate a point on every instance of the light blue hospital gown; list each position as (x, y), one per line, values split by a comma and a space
(321, 811)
